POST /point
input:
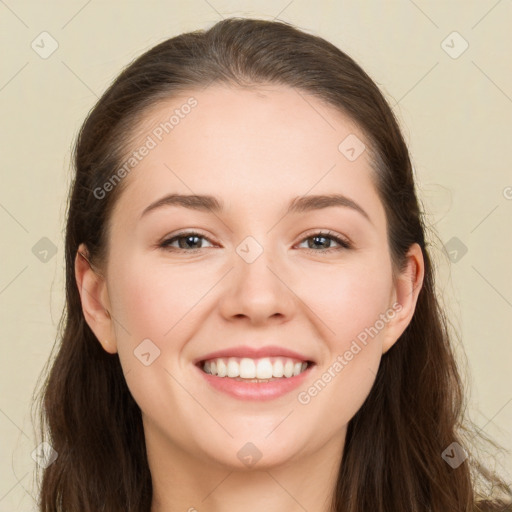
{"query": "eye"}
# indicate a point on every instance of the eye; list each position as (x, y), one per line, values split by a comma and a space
(185, 241)
(189, 239)
(321, 238)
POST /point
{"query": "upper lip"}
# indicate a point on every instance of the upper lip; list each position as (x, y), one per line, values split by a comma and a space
(254, 353)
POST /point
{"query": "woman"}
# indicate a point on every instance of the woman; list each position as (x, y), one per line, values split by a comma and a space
(251, 312)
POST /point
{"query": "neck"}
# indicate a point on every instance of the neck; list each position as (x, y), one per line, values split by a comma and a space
(183, 482)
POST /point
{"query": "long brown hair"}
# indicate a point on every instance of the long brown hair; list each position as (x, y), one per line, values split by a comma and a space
(392, 459)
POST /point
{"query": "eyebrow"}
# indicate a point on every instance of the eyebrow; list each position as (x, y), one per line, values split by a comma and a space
(297, 205)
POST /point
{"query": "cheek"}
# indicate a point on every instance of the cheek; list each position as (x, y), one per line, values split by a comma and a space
(353, 304)
(150, 305)
(151, 299)
(352, 332)
(348, 299)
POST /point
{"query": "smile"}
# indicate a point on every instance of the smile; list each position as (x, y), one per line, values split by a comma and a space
(262, 379)
(265, 369)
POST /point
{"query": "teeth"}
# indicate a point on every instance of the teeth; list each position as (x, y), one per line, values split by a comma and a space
(261, 369)
(222, 369)
(247, 369)
(264, 369)
(233, 368)
(278, 368)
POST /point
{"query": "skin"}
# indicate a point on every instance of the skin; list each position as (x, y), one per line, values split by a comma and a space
(256, 149)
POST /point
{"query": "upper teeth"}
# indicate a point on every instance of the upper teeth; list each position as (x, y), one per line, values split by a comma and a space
(246, 368)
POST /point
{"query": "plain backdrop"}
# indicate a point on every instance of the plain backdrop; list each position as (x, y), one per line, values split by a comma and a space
(445, 68)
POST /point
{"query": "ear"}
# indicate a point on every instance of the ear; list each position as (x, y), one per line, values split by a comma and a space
(95, 301)
(405, 296)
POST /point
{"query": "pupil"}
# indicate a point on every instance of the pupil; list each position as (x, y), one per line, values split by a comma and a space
(189, 238)
(319, 238)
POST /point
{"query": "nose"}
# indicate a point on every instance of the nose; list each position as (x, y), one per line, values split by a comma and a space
(257, 291)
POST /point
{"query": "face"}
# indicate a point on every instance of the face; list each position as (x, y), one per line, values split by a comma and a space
(262, 278)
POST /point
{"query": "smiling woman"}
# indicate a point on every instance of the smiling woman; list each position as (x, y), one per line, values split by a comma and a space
(251, 310)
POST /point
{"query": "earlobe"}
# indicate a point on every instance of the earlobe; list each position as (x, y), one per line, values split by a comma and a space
(95, 302)
(407, 289)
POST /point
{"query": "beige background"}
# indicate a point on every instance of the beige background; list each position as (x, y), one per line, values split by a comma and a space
(455, 113)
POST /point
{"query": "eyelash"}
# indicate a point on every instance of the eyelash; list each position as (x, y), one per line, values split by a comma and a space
(343, 243)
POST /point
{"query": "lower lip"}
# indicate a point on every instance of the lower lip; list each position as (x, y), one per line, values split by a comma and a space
(256, 390)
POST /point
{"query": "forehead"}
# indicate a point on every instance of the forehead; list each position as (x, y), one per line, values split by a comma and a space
(276, 114)
(261, 142)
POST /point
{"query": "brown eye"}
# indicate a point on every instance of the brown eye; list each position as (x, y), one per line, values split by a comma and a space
(323, 241)
(186, 242)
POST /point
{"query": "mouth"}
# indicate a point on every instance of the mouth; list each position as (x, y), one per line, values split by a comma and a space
(253, 373)
(260, 370)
